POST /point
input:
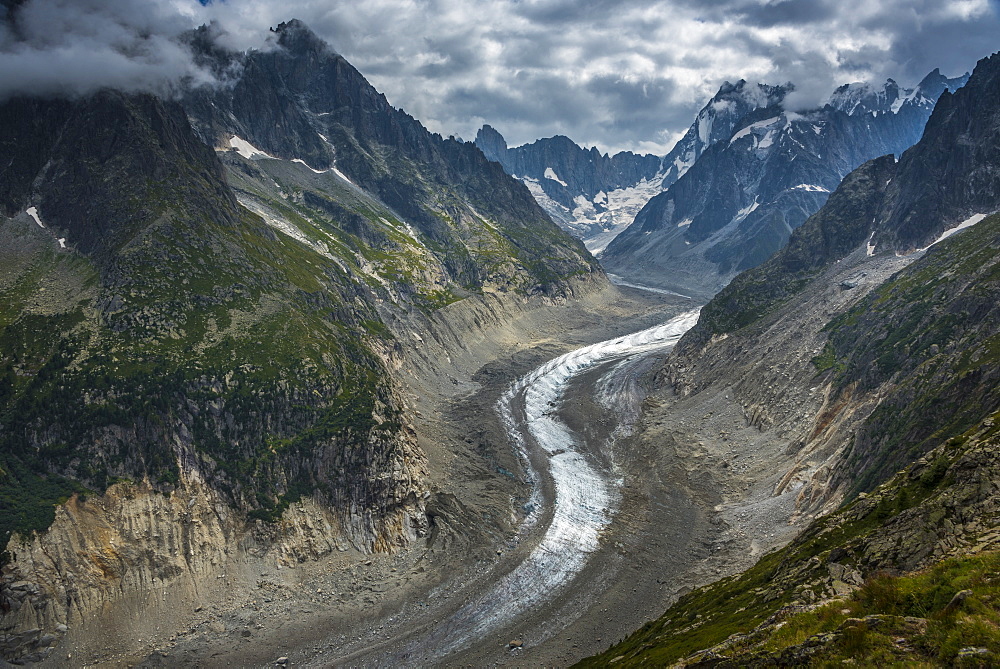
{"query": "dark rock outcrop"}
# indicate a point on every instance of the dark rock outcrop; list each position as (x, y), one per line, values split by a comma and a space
(953, 172)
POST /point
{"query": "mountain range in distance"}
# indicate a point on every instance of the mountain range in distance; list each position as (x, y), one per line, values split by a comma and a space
(759, 172)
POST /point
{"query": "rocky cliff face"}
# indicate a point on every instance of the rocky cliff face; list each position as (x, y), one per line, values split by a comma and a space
(154, 363)
(932, 195)
(876, 349)
(716, 122)
(155, 332)
(740, 201)
(300, 101)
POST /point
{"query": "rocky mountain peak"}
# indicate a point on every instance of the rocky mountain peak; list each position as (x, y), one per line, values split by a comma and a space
(299, 39)
(747, 173)
(865, 97)
(754, 94)
(716, 122)
(935, 83)
(491, 143)
(932, 194)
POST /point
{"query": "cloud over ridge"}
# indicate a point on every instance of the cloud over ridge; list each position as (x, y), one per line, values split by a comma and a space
(625, 74)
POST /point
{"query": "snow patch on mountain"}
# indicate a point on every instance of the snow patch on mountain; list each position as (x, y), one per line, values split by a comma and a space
(283, 225)
(33, 212)
(246, 149)
(682, 165)
(967, 223)
(622, 206)
(746, 211)
(768, 140)
(551, 174)
(341, 175)
(302, 162)
(753, 126)
(551, 207)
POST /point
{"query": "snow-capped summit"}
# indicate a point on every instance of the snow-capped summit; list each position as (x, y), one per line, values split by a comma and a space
(890, 97)
(716, 121)
(741, 199)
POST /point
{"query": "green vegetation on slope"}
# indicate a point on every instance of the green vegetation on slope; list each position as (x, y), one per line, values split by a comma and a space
(191, 335)
(926, 341)
(945, 503)
(931, 335)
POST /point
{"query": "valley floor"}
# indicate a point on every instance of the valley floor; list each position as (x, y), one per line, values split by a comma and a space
(699, 501)
(364, 610)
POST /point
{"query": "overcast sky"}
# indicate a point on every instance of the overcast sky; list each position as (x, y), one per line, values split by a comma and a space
(618, 74)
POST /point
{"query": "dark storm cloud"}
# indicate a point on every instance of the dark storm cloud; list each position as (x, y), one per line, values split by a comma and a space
(630, 105)
(936, 37)
(572, 12)
(612, 73)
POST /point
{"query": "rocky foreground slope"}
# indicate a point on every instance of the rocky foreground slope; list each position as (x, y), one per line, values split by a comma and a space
(201, 341)
(834, 365)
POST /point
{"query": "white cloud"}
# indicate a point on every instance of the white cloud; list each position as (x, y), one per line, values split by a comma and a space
(616, 74)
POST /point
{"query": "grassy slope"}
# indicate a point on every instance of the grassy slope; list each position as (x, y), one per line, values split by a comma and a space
(908, 522)
(931, 336)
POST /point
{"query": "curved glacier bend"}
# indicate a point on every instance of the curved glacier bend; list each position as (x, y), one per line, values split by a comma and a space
(585, 496)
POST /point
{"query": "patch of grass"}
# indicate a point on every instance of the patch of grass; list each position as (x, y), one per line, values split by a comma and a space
(243, 338)
(917, 619)
(827, 359)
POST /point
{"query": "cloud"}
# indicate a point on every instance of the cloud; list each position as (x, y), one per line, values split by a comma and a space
(77, 46)
(618, 74)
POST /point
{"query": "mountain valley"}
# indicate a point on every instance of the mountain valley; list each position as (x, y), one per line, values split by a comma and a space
(887, 367)
(287, 379)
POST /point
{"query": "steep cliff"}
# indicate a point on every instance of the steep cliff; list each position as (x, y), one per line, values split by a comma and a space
(183, 310)
(876, 349)
(375, 172)
(933, 194)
